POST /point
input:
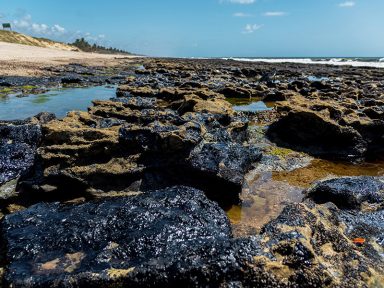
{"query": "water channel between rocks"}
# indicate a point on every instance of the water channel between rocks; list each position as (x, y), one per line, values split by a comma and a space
(265, 194)
(58, 101)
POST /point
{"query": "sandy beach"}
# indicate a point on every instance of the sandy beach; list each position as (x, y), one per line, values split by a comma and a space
(24, 60)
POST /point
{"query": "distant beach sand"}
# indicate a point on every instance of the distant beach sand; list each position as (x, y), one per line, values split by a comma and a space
(24, 60)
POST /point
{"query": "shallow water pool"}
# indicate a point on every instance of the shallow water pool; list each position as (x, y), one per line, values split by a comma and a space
(58, 101)
(317, 78)
(250, 105)
(265, 194)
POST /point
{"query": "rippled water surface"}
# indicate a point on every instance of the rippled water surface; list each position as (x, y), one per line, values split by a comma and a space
(59, 101)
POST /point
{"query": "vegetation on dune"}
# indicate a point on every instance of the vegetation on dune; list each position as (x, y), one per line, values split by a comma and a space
(14, 37)
(18, 38)
(85, 46)
(79, 44)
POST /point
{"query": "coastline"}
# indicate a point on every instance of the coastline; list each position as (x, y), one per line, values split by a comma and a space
(376, 62)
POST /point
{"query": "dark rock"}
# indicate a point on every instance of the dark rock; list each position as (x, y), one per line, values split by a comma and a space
(45, 117)
(373, 133)
(140, 239)
(305, 92)
(368, 102)
(191, 84)
(235, 92)
(136, 102)
(17, 132)
(310, 132)
(71, 80)
(162, 138)
(14, 160)
(375, 112)
(321, 85)
(228, 161)
(110, 109)
(277, 96)
(369, 226)
(18, 143)
(4, 83)
(268, 77)
(109, 122)
(297, 85)
(313, 240)
(236, 72)
(169, 238)
(349, 192)
(249, 73)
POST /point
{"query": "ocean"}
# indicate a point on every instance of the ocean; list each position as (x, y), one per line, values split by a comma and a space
(377, 62)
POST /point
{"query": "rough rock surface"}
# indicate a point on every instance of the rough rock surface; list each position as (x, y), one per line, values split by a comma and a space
(328, 128)
(228, 161)
(349, 192)
(18, 143)
(171, 125)
(151, 136)
(176, 236)
(361, 211)
(137, 240)
(315, 244)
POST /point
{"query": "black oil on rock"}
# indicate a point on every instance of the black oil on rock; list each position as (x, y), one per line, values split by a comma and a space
(153, 166)
(148, 238)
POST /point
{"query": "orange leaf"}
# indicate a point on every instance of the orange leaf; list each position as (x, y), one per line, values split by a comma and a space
(358, 241)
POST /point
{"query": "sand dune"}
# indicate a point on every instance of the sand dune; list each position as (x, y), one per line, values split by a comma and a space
(24, 60)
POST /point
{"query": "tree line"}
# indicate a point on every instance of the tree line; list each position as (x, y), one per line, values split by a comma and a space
(85, 46)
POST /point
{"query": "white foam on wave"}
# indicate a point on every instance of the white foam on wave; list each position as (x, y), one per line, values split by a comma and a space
(334, 61)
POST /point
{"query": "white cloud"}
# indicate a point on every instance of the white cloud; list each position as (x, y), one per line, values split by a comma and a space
(243, 2)
(274, 13)
(25, 24)
(347, 4)
(58, 28)
(40, 28)
(250, 28)
(242, 15)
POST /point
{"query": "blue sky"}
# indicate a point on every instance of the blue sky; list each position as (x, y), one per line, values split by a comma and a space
(209, 28)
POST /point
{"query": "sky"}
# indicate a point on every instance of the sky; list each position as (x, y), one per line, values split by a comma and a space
(209, 28)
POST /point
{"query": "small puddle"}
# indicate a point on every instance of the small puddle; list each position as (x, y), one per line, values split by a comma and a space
(58, 101)
(266, 194)
(253, 107)
(250, 105)
(317, 78)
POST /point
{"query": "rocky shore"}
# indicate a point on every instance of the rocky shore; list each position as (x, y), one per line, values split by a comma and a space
(133, 192)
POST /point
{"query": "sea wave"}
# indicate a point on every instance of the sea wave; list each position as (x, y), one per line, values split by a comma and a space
(378, 63)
